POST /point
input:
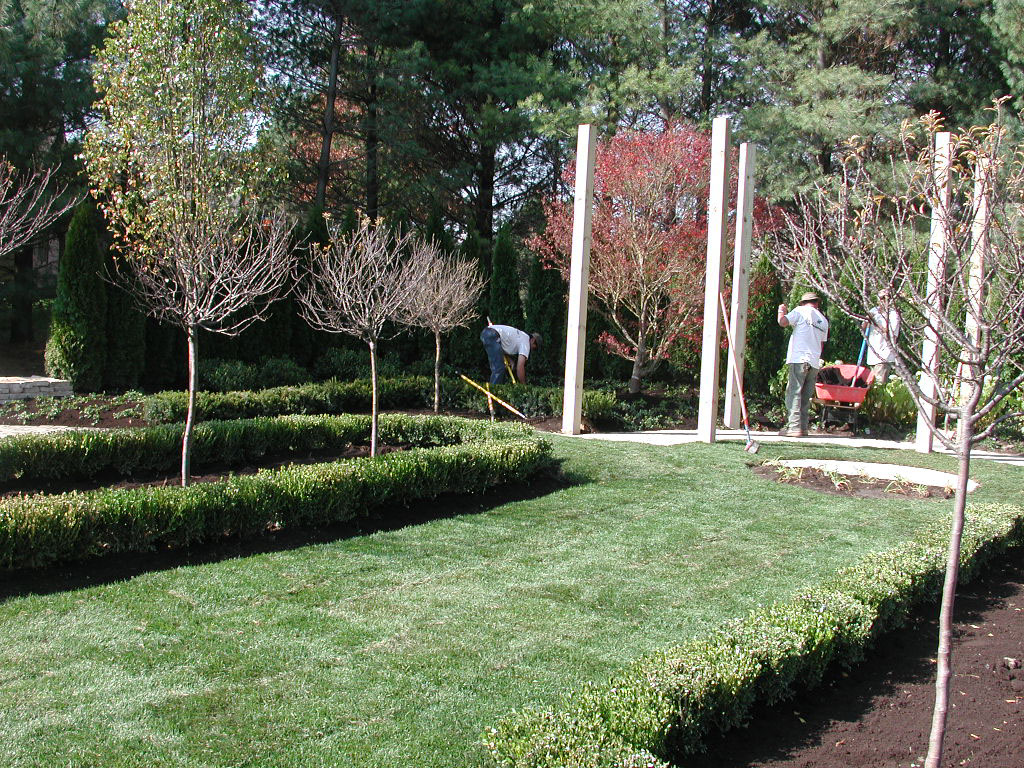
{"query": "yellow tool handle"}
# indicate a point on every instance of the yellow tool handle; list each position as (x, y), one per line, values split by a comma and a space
(491, 395)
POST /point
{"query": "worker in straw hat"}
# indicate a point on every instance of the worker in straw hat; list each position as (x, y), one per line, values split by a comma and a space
(803, 356)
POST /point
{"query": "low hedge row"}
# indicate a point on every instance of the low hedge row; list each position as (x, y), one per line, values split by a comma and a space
(43, 530)
(87, 454)
(354, 396)
(664, 706)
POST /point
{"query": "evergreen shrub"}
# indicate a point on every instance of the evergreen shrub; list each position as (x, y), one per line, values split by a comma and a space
(77, 347)
(42, 530)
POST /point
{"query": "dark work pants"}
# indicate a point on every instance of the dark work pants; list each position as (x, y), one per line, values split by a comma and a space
(495, 357)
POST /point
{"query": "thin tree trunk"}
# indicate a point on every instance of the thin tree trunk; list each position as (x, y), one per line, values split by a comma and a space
(324, 165)
(190, 414)
(943, 666)
(437, 372)
(485, 199)
(373, 398)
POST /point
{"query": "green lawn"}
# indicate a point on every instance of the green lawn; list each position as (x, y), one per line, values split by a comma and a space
(397, 649)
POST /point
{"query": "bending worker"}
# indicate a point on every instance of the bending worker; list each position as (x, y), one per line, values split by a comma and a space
(810, 330)
(501, 340)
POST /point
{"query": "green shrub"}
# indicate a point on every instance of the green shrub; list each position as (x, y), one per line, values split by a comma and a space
(83, 455)
(76, 349)
(354, 396)
(890, 404)
(43, 530)
(667, 703)
(352, 364)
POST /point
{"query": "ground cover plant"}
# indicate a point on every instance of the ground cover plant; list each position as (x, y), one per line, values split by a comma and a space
(401, 647)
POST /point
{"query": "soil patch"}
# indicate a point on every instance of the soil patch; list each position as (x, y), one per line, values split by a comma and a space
(848, 485)
(878, 715)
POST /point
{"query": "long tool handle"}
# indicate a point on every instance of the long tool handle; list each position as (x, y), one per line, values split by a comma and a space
(735, 367)
(492, 396)
(860, 357)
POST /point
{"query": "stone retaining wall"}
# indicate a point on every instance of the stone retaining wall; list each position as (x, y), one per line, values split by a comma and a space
(24, 387)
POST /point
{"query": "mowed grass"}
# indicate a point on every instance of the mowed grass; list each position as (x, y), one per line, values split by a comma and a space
(399, 648)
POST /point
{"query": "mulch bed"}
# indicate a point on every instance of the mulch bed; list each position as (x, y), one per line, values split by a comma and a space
(849, 485)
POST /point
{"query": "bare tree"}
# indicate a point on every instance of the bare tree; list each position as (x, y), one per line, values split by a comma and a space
(356, 285)
(942, 231)
(208, 272)
(27, 205)
(446, 290)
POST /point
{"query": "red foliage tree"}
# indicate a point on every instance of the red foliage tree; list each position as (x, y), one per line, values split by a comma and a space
(649, 240)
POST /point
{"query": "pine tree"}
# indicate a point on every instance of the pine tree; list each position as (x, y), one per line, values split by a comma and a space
(76, 349)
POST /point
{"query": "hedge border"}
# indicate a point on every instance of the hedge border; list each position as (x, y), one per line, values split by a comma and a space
(665, 705)
(44, 530)
(80, 455)
(334, 397)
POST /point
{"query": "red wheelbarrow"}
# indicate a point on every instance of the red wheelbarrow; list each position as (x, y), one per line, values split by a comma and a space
(840, 391)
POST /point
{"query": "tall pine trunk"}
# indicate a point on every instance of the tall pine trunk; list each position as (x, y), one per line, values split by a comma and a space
(323, 171)
(190, 413)
(372, 138)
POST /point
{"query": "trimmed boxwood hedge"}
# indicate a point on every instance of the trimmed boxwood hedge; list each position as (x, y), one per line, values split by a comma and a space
(76, 455)
(354, 396)
(665, 705)
(43, 530)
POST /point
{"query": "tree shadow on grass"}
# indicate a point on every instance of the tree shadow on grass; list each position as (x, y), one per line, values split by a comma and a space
(124, 566)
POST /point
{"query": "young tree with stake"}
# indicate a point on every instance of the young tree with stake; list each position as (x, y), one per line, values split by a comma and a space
(942, 232)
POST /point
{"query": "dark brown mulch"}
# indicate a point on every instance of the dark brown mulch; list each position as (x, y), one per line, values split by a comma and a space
(878, 715)
(844, 485)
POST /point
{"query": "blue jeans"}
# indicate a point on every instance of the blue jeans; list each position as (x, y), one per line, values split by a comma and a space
(495, 357)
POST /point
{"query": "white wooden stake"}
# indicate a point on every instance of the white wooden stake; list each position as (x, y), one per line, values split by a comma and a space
(740, 284)
(936, 272)
(579, 279)
(707, 411)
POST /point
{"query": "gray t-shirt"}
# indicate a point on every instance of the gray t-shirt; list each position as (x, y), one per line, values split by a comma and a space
(513, 341)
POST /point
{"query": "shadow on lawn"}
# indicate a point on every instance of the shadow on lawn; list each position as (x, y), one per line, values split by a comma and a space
(120, 567)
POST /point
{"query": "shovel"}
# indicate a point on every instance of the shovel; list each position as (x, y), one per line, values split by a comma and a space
(751, 446)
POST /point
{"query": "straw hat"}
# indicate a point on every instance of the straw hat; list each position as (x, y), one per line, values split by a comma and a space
(809, 297)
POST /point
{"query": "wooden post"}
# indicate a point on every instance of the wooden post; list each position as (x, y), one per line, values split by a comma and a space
(579, 279)
(740, 284)
(936, 274)
(707, 412)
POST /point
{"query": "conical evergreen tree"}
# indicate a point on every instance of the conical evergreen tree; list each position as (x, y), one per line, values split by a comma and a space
(126, 336)
(546, 314)
(76, 349)
(505, 306)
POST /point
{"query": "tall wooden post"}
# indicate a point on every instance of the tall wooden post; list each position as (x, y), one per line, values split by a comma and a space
(740, 284)
(936, 275)
(707, 411)
(579, 279)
